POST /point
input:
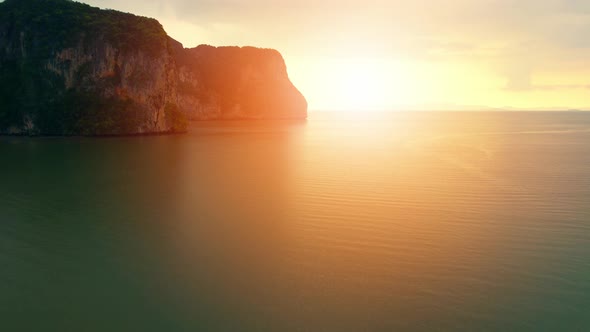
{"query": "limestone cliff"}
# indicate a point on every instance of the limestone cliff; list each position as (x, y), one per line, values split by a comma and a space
(70, 69)
(233, 82)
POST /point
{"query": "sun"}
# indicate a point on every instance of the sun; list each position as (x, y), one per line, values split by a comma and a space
(357, 84)
(361, 85)
(362, 88)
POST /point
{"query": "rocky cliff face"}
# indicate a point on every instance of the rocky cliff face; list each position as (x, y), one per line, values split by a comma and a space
(235, 83)
(70, 69)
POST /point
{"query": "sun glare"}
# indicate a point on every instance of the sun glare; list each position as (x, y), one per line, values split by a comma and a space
(361, 88)
(356, 84)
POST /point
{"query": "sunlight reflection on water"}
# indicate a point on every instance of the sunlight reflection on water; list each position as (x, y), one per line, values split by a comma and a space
(406, 221)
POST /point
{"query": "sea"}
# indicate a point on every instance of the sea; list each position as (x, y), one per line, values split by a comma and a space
(405, 221)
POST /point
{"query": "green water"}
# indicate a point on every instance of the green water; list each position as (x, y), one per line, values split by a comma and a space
(399, 222)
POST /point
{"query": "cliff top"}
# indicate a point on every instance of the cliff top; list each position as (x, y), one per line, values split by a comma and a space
(56, 24)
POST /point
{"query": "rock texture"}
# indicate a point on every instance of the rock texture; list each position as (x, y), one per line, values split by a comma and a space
(233, 82)
(70, 69)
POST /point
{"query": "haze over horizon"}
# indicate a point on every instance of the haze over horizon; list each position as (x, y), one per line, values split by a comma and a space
(378, 54)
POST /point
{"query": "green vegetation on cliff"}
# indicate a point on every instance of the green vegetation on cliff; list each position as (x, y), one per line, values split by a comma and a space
(34, 32)
(52, 25)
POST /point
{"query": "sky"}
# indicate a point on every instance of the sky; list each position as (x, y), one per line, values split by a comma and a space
(399, 54)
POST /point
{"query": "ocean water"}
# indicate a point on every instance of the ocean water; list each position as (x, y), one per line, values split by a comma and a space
(407, 221)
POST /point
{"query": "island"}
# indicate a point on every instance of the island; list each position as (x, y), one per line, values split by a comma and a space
(67, 68)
